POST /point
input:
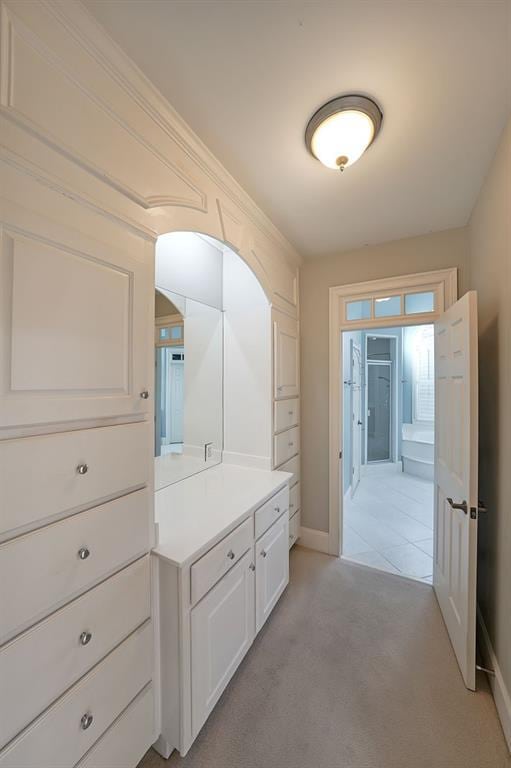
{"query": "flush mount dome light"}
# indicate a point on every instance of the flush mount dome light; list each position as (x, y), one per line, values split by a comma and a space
(342, 129)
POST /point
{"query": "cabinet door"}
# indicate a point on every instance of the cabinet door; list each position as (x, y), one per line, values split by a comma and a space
(222, 627)
(286, 356)
(272, 568)
(75, 324)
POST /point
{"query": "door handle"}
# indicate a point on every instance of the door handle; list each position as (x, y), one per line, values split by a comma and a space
(359, 423)
(463, 506)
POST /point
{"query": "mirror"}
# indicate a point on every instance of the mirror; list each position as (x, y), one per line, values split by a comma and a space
(188, 360)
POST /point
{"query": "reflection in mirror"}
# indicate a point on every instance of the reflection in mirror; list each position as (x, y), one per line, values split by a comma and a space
(188, 356)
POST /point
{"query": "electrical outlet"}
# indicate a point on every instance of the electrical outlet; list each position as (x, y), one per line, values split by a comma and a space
(208, 451)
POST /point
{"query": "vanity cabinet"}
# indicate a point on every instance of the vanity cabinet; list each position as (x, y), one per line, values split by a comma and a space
(222, 631)
(216, 592)
(272, 568)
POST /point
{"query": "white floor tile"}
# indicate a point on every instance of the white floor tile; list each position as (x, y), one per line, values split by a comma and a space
(352, 543)
(410, 560)
(374, 560)
(426, 545)
(388, 524)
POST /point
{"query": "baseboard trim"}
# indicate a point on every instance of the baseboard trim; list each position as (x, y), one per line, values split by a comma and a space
(313, 539)
(497, 684)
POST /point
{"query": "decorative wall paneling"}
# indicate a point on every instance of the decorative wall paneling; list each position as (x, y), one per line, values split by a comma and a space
(94, 165)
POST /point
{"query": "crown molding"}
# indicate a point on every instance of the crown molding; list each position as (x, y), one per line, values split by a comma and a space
(91, 36)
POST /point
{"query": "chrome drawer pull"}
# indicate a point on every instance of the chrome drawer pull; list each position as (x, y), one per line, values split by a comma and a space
(85, 638)
(252, 567)
(82, 469)
(291, 505)
(83, 553)
(277, 510)
(144, 395)
(264, 553)
(231, 555)
(290, 445)
(86, 721)
(290, 413)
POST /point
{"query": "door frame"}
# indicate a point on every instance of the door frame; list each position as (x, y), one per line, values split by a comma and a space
(443, 283)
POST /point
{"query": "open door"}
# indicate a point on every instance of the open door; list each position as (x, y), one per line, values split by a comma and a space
(356, 415)
(456, 457)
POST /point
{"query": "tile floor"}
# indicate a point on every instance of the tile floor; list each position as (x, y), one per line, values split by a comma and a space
(389, 522)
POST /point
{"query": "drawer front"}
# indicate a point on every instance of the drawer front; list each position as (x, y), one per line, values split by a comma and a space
(294, 529)
(286, 414)
(47, 566)
(128, 739)
(39, 665)
(266, 515)
(287, 444)
(58, 739)
(294, 500)
(293, 466)
(39, 476)
(212, 566)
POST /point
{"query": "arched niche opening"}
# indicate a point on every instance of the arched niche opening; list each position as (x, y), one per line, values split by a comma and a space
(217, 383)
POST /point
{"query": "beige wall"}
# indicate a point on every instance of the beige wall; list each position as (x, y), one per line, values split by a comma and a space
(417, 254)
(490, 274)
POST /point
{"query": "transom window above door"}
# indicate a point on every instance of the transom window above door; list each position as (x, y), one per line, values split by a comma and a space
(404, 300)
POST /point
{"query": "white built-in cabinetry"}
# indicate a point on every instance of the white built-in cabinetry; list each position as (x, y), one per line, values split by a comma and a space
(218, 583)
(286, 408)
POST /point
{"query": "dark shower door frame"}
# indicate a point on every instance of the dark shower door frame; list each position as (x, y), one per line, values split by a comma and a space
(387, 367)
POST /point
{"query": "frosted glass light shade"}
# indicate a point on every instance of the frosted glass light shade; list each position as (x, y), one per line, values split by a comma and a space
(339, 132)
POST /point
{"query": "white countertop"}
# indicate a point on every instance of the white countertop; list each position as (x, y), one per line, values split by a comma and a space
(196, 513)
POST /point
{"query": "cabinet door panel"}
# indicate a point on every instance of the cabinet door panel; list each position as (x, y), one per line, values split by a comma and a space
(272, 568)
(286, 356)
(222, 626)
(74, 325)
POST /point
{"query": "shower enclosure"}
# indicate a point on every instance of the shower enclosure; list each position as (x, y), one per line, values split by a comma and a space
(379, 411)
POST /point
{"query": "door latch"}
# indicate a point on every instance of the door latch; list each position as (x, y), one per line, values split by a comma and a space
(474, 511)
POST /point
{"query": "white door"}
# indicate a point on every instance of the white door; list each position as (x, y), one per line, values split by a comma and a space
(222, 627)
(356, 415)
(272, 568)
(456, 456)
(285, 341)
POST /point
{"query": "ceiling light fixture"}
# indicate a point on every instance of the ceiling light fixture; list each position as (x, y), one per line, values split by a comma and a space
(342, 129)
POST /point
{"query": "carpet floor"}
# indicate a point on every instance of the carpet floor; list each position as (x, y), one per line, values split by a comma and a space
(353, 669)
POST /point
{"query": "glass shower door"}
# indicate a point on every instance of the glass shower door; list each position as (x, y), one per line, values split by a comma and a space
(379, 407)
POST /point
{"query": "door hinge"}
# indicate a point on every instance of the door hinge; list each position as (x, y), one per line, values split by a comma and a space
(340, 454)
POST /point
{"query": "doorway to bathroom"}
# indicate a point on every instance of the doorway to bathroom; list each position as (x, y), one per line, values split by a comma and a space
(388, 449)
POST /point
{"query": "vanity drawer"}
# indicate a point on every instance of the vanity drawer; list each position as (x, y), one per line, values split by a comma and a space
(43, 569)
(294, 529)
(287, 444)
(39, 665)
(128, 739)
(286, 414)
(266, 515)
(39, 476)
(212, 566)
(293, 466)
(294, 500)
(59, 737)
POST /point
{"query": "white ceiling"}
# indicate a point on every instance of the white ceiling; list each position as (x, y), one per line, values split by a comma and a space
(247, 75)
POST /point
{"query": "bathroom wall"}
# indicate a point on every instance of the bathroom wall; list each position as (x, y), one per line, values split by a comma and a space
(418, 254)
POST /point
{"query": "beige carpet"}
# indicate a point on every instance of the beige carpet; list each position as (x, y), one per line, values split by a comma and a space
(353, 670)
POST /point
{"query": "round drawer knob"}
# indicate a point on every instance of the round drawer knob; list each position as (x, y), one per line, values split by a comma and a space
(85, 638)
(264, 553)
(290, 413)
(290, 445)
(86, 721)
(82, 469)
(277, 510)
(144, 395)
(252, 567)
(231, 555)
(83, 553)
